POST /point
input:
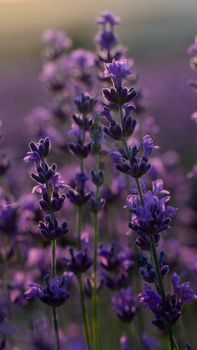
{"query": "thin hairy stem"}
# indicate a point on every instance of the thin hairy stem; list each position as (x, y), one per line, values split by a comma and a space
(95, 267)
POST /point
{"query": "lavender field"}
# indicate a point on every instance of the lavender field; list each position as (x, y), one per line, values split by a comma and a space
(98, 175)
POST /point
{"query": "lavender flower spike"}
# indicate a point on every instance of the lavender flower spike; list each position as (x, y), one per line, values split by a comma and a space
(54, 294)
(117, 71)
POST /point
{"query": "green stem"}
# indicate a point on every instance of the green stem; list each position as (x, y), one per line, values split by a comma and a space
(84, 314)
(53, 265)
(157, 267)
(79, 224)
(55, 324)
(82, 296)
(95, 308)
(139, 191)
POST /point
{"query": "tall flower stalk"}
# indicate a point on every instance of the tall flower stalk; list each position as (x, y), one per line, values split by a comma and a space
(53, 271)
(85, 105)
(96, 203)
(150, 215)
(49, 184)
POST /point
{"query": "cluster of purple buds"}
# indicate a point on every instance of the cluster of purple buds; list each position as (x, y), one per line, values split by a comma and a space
(54, 76)
(77, 193)
(56, 42)
(131, 163)
(85, 105)
(124, 304)
(116, 265)
(115, 130)
(167, 311)
(78, 262)
(50, 184)
(147, 270)
(54, 294)
(89, 285)
(151, 218)
(51, 230)
(105, 38)
(79, 149)
(118, 94)
(96, 202)
(96, 135)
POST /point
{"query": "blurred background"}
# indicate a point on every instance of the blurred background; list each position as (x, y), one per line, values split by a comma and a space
(156, 32)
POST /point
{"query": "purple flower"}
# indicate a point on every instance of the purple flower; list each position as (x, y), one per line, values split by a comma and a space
(105, 38)
(117, 71)
(54, 294)
(82, 59)
(147, 270)
(38, 151)
(54, 75)
(183, 290)
(151, 218)
(78, 262)
(131, 163)
(78, 195)
(148, 145)
(167, 311)
(115, 130)
(108, 18)
(85, 103)
(124, 304)
(56, 42)
(51, 230)
(116, 264)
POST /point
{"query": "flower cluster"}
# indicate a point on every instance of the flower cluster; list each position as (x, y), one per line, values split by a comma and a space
(169, 310)
(117, 257)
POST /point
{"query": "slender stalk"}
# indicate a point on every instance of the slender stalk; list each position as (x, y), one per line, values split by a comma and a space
(153, 253)
(95, 267)
(56, 328)
(79, 223)
(84, 314)
(157, 267)
(53, 267)
(171, 341)
(95, 308)
(55, 316)
(82, 297)
(53, 273)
